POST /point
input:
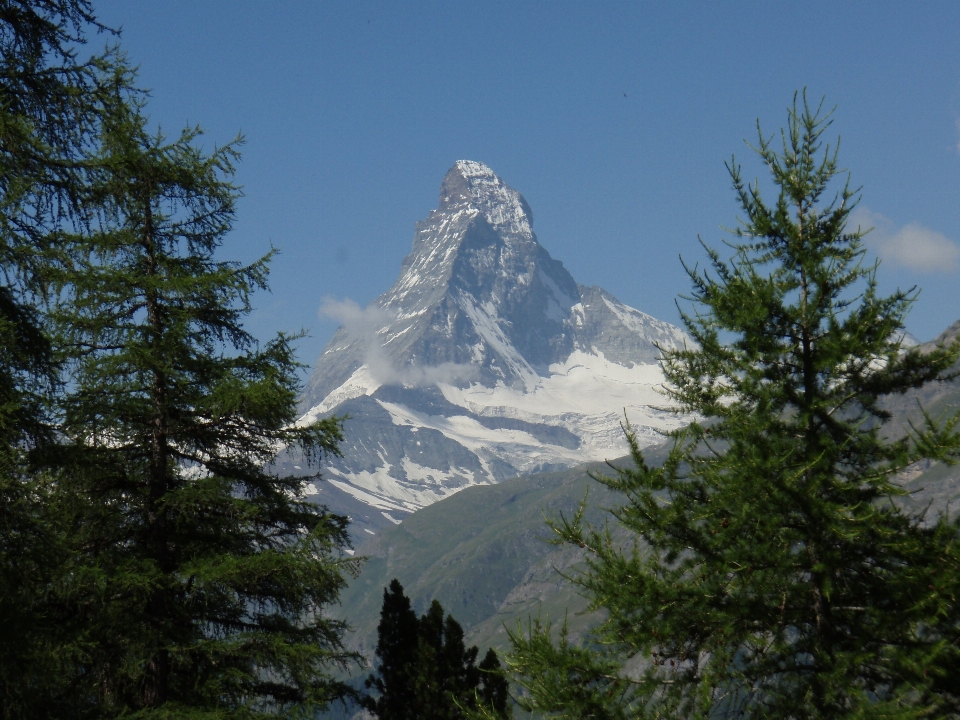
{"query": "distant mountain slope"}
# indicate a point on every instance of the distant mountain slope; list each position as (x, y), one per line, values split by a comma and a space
(479, 552)
(930, 484)
(484, 361)
(936, 398)
(483, 552)
(484, 555)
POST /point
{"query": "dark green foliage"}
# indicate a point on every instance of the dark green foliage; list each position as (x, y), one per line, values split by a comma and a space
(199, 581)
(425, 671)
(493, 695)
(48, 111)
(46, 115)
(774, 572)
(148, 561)
(398, 651)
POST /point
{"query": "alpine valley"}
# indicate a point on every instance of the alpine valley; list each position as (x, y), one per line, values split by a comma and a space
(487, 368)
(486, 360)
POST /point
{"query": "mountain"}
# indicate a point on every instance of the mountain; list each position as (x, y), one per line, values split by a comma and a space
(930, 484)
(485, 360)
(484, 553)
(937, 397)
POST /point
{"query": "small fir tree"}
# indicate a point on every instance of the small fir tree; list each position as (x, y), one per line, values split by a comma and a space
(774, 573)
(425, 672)
(493, 695)
(397, 651)
(200, 580)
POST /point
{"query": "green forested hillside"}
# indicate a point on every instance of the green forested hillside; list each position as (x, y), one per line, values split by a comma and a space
(472, 552)
(484, 554)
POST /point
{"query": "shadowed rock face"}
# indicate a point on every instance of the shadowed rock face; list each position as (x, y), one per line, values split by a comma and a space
(479, 289)
(479, 304)
(476, 280)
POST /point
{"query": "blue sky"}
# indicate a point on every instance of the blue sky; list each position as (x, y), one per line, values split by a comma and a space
(613, 119)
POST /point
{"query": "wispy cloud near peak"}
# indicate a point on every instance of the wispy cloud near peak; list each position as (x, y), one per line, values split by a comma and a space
(366, 324)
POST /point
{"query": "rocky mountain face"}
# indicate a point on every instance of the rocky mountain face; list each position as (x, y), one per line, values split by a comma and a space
(484, 361)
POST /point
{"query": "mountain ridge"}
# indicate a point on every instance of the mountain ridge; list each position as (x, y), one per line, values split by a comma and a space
(485, 360)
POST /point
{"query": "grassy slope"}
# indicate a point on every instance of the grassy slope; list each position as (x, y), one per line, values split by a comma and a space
(485, 554)
(481, 552)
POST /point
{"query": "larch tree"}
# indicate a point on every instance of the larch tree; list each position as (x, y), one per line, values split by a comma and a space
(774, 571)
(446, 677)
(47, 116)
(200, 581)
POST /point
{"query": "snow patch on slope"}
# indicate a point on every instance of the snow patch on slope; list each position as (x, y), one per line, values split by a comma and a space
(523, 450)
(588, 395)
(586, 383)
(668, 337)
(560, 304)
(360, 383)
(422, 486)
(484, 319)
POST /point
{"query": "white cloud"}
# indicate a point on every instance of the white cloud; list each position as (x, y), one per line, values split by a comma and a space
(364, 325)
(360, 323)
(913, 245)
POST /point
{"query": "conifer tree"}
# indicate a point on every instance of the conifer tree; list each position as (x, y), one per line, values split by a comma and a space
(397, 650)
(447, 677)
(493, 696)
(425, 670)
(774, 572)
(47, 112)
(200, 581)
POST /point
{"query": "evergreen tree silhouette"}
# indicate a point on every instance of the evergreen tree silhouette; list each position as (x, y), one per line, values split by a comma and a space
(425, 671)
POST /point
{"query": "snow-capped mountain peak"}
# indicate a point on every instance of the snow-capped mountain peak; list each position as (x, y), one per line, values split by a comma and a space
(471, 184)
(484, 360)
